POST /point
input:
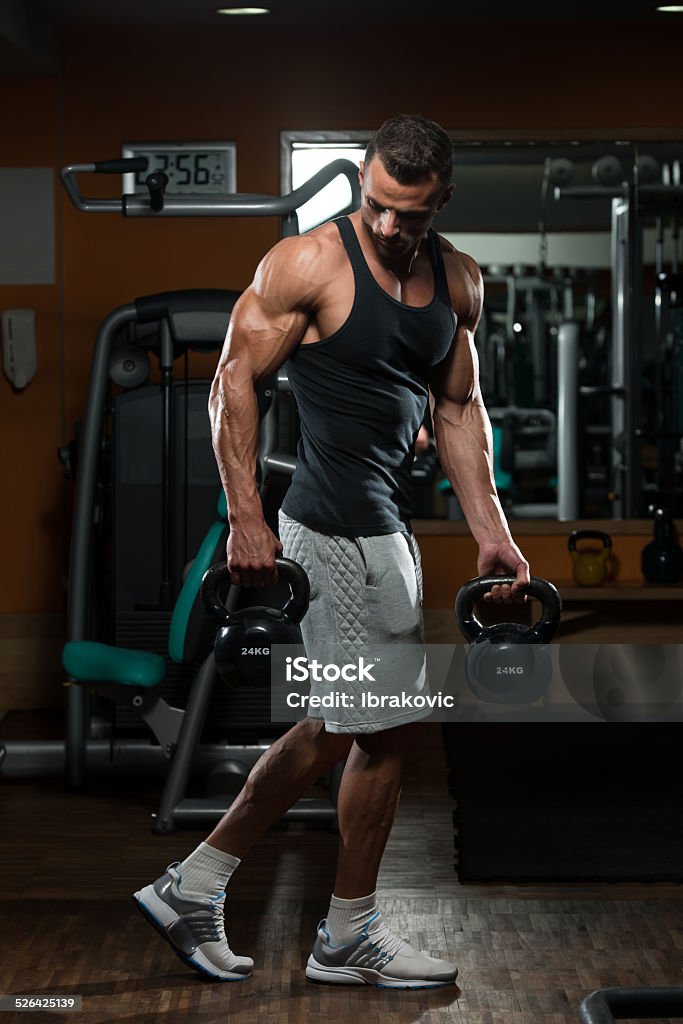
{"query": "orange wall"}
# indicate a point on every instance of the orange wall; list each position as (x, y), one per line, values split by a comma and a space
(247, 83)
(32, 521)
(450, 559)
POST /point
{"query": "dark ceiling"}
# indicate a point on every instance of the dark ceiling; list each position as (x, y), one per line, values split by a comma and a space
(30, 29)
(201, 12)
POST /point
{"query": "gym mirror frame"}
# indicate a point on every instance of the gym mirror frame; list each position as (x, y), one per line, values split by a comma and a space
(581, 339)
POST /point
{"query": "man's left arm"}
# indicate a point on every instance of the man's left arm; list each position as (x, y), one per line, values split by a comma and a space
(464, 441)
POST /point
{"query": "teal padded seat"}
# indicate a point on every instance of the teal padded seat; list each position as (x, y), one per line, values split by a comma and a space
(89, 661)
(180, 620)
(211, 549)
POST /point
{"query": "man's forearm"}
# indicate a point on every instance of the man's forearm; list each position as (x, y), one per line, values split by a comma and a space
(234, 414)
(464, 444)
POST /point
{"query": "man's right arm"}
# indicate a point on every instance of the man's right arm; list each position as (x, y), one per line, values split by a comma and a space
(267, 323)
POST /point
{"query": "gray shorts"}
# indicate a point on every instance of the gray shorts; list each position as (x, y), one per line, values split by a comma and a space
(366, 599)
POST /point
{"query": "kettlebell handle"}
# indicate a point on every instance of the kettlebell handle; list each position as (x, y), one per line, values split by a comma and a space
(588, 535)
(292, 573)
(472, 591)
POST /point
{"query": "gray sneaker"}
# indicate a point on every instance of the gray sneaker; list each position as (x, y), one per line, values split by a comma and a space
(194, 925)
(376, 957)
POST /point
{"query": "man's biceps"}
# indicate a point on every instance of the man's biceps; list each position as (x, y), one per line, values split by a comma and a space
(464, 335)
(269, 329)
(455, 397)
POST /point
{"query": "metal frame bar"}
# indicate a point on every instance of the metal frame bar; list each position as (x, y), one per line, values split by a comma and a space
(237, 205)
(82, 535)
(567, 421)
(609, 1004)
(620, 337)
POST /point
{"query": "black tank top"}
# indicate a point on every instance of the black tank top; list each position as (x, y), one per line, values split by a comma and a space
(361, 395)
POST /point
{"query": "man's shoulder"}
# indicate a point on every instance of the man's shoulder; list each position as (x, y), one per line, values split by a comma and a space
(297, 269)
(458, 262)
(312, 255)
(465, 282)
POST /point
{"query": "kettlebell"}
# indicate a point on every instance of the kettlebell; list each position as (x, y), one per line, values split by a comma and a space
(244, 637)
(661, 560)
(508, 663)
(590, 567)
(624, 682)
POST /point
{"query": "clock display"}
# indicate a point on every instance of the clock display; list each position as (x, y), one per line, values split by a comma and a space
(192, 168)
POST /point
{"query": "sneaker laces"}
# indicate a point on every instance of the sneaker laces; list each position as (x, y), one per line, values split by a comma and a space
(216, 908)
(215, 905)
(380, 935)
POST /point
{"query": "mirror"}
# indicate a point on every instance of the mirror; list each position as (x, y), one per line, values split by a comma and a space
(581, 338)
(580, 341)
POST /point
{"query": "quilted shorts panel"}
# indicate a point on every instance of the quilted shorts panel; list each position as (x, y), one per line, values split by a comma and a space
(366, 596)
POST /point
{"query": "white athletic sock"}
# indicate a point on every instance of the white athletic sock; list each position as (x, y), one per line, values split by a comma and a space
(207, 870)
(347, 918)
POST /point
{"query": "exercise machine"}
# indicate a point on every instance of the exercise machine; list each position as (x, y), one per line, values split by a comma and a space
(183, 319)
(609, 1004)
(637, 201)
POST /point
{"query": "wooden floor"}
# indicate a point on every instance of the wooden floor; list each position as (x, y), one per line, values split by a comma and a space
(526, 953)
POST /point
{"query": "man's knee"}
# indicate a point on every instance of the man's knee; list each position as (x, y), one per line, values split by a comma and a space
(400, 741)
(333, 746)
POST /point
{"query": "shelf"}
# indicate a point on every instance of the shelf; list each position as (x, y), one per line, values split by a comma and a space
(622, 590)
(544, 527)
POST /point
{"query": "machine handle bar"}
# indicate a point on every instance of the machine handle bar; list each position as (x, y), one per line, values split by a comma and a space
(237, 205)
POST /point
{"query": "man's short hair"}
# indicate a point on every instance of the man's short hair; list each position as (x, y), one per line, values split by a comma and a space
(412, 148)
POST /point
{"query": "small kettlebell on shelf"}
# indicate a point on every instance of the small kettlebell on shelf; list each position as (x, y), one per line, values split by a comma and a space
(662, 559)
(590, 567)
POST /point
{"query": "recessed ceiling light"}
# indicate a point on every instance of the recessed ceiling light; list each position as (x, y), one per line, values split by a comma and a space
(672, 9)
(242, 10)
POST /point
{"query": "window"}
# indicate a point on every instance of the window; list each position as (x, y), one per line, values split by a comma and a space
(304, 153)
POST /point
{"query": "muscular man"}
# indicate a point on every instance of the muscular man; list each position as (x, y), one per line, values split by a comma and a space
(373, 314)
